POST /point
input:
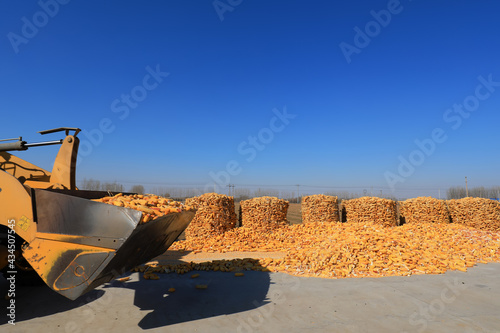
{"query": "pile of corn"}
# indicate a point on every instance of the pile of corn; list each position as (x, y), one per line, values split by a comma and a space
(371, 210)
(352, 249)
(215, 215)
(424, 209)
(233, 265)
(320, 208)
(370, 251)
(479, 213)
(243, 239)
(151, 206)
(264, 213)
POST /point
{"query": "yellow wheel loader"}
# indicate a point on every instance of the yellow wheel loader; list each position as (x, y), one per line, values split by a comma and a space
(51, 230)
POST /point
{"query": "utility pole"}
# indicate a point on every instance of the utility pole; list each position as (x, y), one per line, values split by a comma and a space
(229, 186)
(466, 188)
(298, 193)
(439, 193)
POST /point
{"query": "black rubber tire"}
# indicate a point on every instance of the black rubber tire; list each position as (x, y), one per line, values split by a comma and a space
(25, 278)
(25, 274)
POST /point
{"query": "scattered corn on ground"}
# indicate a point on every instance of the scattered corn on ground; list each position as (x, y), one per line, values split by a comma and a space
(151, 206)
(340, 250)
(123, 279)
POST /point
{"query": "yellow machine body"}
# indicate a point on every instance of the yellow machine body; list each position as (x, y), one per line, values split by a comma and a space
(72, 243)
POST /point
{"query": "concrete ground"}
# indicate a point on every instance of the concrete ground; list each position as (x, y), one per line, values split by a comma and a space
(269, 302)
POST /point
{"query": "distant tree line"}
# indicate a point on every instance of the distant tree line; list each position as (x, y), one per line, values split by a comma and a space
(96, 185)
(459, 192)
(239, 194)
(242, 193)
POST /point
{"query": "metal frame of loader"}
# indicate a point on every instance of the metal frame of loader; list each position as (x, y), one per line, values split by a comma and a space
(72, 243)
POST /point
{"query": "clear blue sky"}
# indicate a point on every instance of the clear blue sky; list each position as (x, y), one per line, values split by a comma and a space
(364, 80)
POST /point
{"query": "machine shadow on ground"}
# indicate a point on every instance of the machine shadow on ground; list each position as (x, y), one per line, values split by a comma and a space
(225, 294)
(40, 301)
(153, 305)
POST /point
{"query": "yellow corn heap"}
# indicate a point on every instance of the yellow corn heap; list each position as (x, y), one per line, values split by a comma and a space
(424, 209)
(151, 206)
(369, 245)
(264, 213)
(320, 208)
(479, 213)
(234, 265)
(214, 216)
(238, 239)
(352, 249)
(371, 210)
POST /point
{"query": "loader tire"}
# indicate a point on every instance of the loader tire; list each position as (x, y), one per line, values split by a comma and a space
(24, 274)
(25, 278)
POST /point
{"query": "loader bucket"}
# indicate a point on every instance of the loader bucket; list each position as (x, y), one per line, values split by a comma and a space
(81, 244)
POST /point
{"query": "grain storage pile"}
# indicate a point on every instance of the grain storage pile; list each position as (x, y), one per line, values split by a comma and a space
(338, 250)
(320, 208)
(215, 215)
(424, 209)
(264, 213)
(479, 213)
(151, 206)
(371, 210)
